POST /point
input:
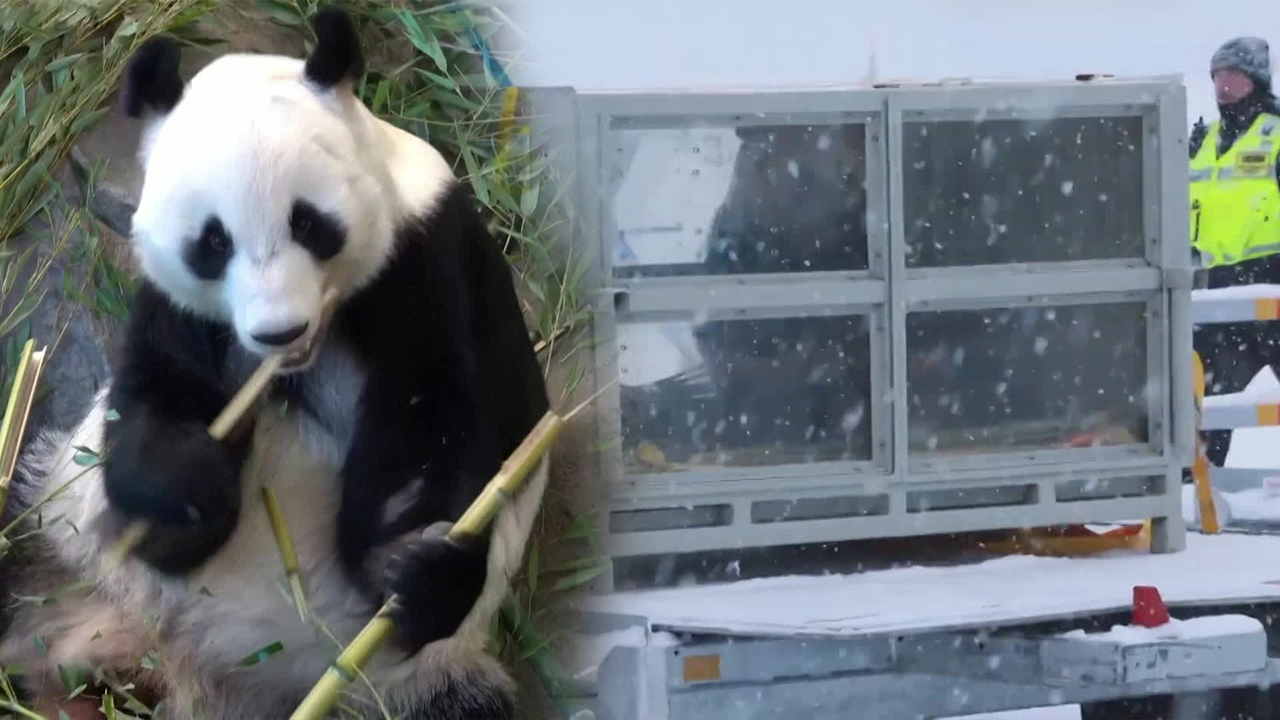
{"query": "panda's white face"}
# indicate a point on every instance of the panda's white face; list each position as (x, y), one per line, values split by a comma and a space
(260, 192)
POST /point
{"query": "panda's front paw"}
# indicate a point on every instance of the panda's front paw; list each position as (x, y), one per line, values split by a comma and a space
(437, 581)
(184, 484)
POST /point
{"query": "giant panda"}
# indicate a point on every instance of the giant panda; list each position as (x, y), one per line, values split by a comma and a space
(267, 182)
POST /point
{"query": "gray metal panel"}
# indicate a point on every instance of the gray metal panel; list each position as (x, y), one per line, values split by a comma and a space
(1155, 100)
(1175, 242)
(747, 103)
(1012, 465)
(897, 295)
(1157, 396)
(733, 292)
(1047, 279)
(1037, 100)
(603, 323)
(795, 481)
(1100, 662)
(931, 674)
(881, 399)
(895, 524)
(749, 660)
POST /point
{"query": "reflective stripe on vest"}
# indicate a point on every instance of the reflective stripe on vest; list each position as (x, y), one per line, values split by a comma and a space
(1235, 200)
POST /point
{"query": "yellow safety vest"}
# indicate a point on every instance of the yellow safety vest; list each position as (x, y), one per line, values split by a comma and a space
(1235, 202)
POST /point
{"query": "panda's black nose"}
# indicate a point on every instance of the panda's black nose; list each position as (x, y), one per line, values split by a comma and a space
(281, 337)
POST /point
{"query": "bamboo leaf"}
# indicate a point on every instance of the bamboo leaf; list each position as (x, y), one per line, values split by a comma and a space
(259, 656)
(63, 62)
(283, 12)
(529, 199)
(442, 80)
(581, 577)
(422, 40)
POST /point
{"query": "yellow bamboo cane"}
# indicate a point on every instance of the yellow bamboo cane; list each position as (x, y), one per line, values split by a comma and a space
(504, 485)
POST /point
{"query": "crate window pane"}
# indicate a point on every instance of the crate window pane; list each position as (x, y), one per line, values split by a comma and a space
(1018, 191)
(750, 199)
(1026, 378)
(744, 392)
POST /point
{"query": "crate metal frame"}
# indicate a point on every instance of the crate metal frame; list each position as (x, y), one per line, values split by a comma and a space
(748, 295)
(888, 290)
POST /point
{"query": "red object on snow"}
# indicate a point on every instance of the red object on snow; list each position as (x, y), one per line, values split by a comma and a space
(1148, 607)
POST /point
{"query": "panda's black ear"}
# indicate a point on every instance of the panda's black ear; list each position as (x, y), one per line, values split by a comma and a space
(337, 55)
(151, 79)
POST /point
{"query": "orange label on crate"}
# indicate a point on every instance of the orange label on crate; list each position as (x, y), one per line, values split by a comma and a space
(700, 668)
(1268, 415)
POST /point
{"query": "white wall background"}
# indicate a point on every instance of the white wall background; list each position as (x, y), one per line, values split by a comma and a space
(629, 44)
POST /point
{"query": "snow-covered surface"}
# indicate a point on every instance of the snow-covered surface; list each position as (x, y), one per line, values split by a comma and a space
(1175, 629)
(1054, 712)
(1242, 292)
(1003, 590)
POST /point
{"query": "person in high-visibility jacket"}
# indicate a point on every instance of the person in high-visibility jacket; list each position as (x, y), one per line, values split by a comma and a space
(1235, 216)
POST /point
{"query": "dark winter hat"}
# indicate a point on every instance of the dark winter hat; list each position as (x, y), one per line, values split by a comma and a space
(1249, 55)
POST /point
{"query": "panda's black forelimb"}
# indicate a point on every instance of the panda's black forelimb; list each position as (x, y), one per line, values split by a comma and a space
(453, 388)
(436, 580)
(159, 462)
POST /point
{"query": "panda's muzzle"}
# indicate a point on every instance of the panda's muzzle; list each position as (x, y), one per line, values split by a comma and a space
(299, 354)
(281, 338)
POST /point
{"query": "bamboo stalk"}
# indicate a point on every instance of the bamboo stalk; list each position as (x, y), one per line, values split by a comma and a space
(504, 484)
(244, 398)
(18, 411)
(500, 488)
(222, 426)
(288, 555)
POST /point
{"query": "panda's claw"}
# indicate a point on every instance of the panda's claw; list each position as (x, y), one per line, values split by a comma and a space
(437, 580)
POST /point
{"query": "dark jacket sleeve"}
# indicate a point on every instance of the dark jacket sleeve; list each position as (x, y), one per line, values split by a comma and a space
(1198, 131)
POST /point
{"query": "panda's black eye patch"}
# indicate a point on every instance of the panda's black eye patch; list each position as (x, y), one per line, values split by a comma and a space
(321, 234)
(208, 255)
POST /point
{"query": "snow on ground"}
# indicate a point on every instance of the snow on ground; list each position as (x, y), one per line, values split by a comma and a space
(1239, 292)
(1257, 448)
(1055, 712)
(1007, 589)
(1175, 629)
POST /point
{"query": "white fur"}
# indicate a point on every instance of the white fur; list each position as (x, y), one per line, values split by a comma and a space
(248, 137)
(238, 602)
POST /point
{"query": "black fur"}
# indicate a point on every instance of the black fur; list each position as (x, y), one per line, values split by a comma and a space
(321, 234)
(423, 613)
(337, 55)
(160, 463)
(452, 388)
(151, 79)
(209, 254)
